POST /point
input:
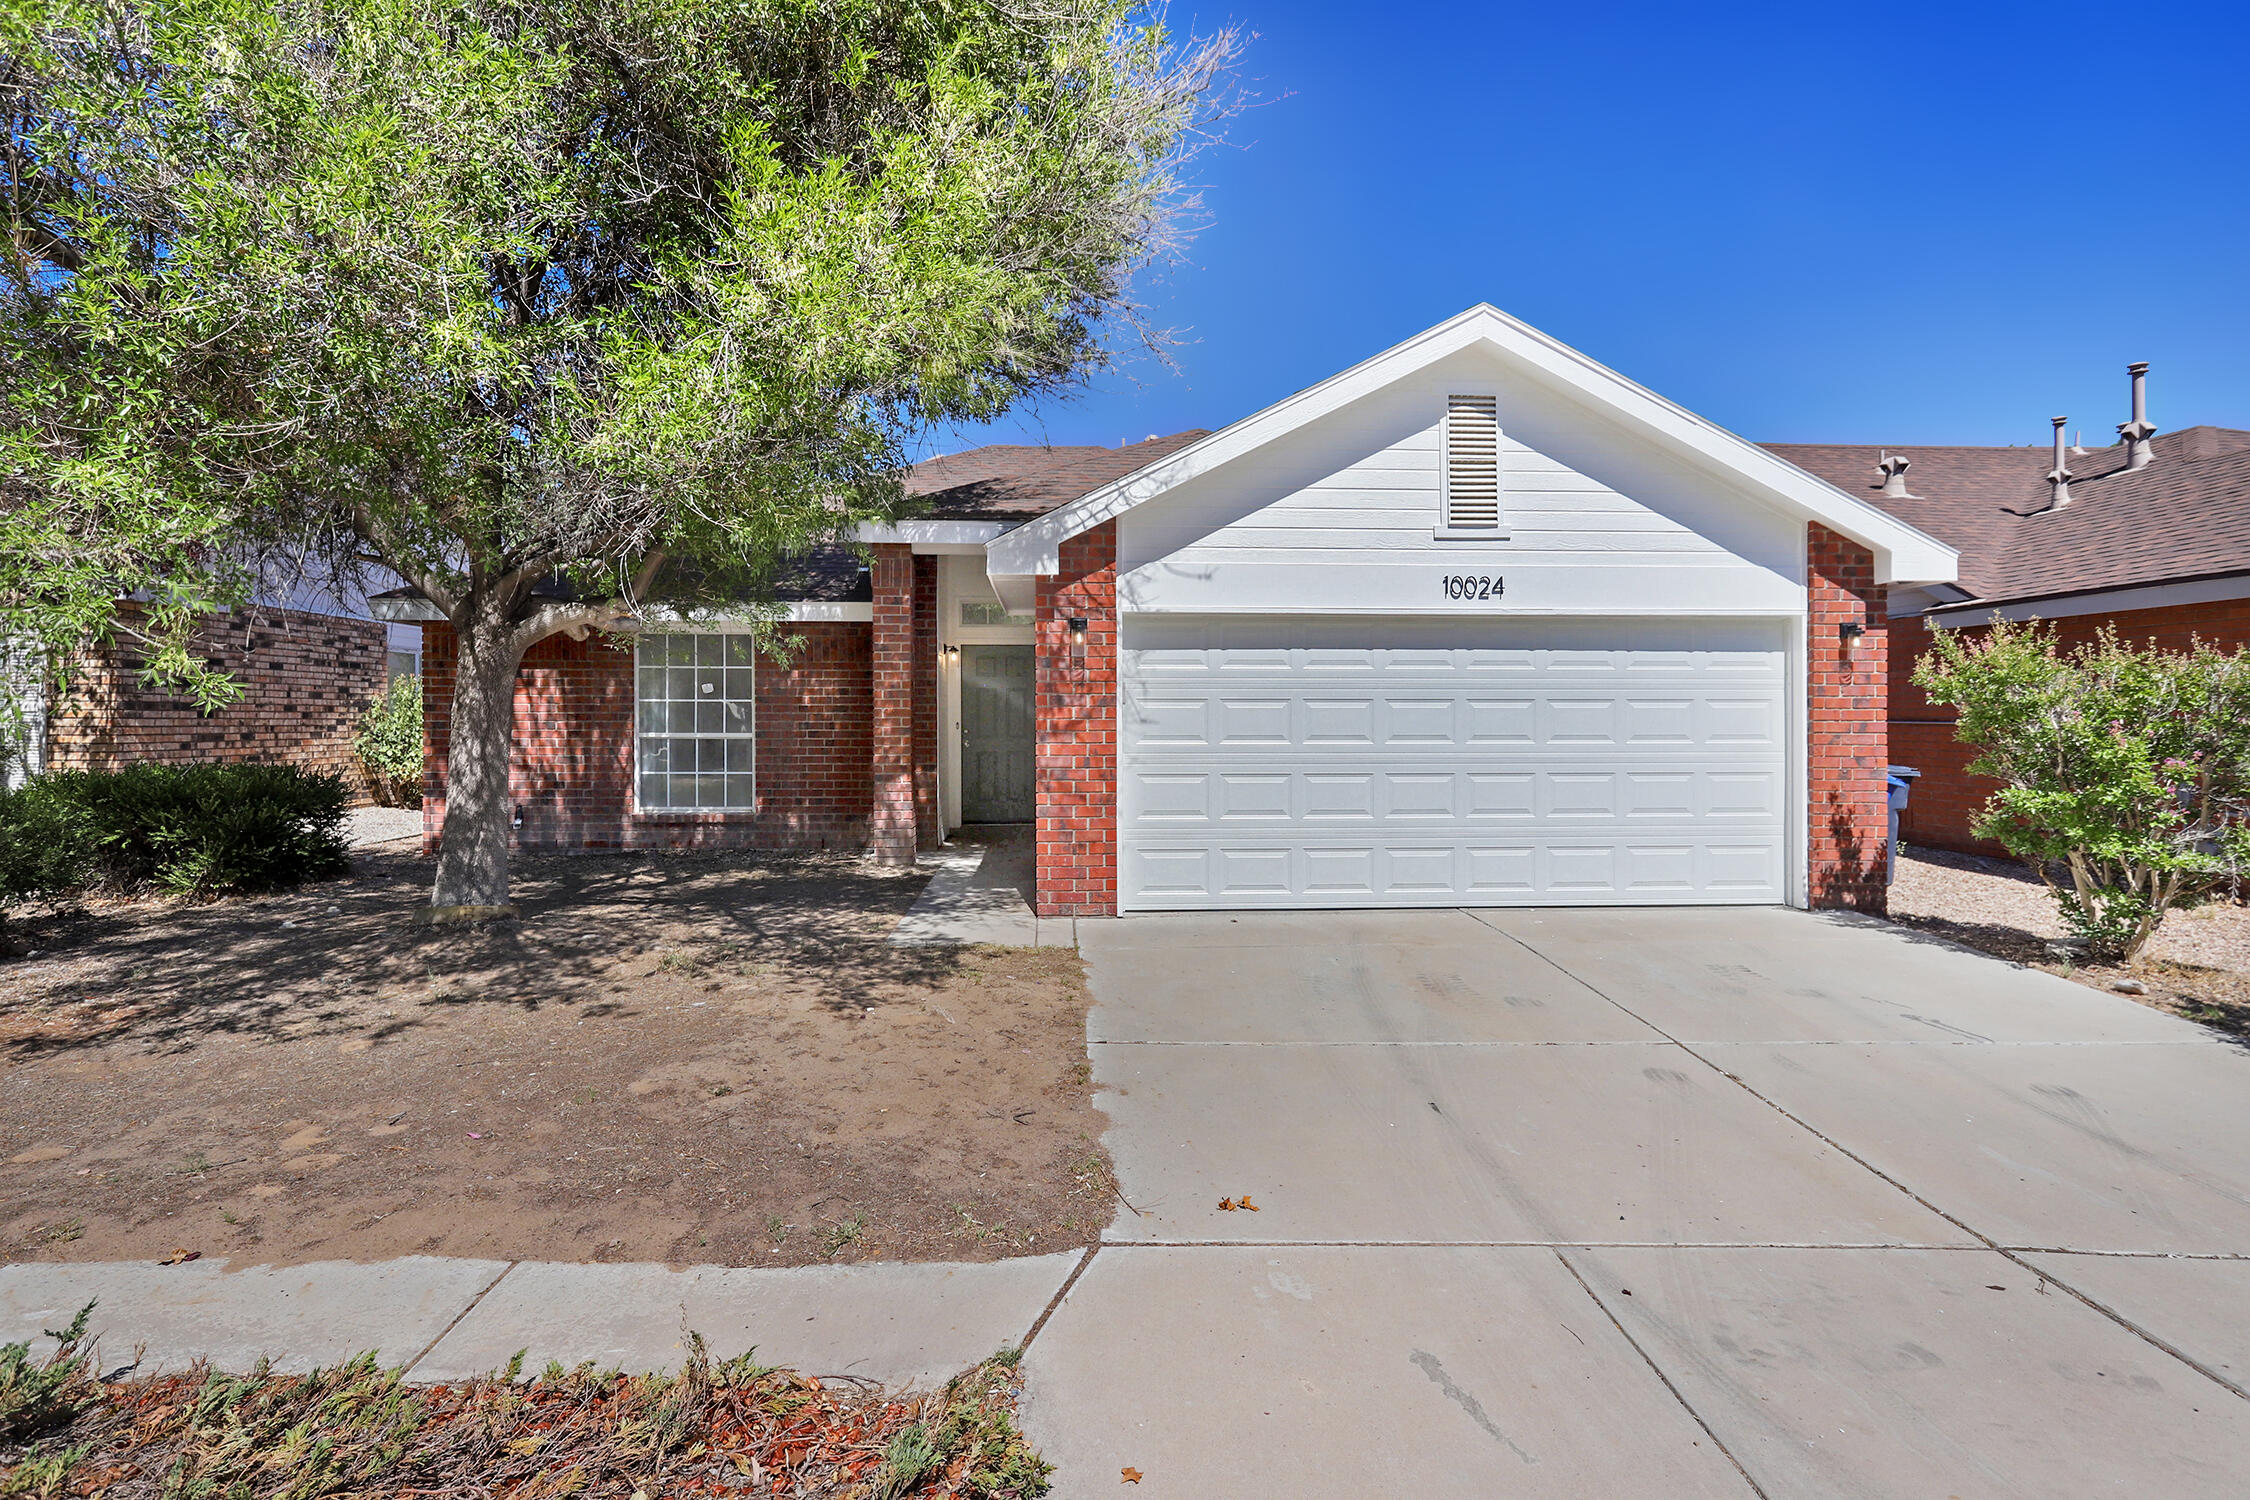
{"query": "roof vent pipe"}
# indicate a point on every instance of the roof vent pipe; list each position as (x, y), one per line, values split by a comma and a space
(2059, 478)
(2136, 433)
(1894, 467)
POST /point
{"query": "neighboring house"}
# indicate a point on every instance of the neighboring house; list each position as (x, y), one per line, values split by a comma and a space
(1475, 622)
(2150, 536)
(306, 674)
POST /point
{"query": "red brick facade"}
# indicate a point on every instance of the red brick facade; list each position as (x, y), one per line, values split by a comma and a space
(1076, 756)
(929, 826)
(1946, 799)
(571, 776)
(1846, 680)
(306, 679)
(891, 834)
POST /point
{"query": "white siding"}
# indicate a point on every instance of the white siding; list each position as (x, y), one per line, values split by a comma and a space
(1593, 522)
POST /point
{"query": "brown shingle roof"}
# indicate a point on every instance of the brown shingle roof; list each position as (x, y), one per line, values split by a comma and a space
(2185, 515)
(1006, 482)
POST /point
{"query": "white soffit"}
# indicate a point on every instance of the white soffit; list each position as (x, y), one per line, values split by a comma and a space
(1902, 554)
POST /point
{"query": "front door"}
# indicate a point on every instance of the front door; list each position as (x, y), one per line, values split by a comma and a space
(996, 701)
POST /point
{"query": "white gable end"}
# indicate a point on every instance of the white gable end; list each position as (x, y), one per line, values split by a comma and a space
(1346, 515)
(1564, 407)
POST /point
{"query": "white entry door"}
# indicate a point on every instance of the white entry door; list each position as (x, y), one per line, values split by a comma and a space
(1330, 762)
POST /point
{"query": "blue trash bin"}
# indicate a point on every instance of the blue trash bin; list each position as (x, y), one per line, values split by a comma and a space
(1900, 780)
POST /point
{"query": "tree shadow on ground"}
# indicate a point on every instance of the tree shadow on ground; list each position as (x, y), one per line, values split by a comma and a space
(307, 963)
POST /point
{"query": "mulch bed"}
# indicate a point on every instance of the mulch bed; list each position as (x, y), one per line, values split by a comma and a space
(717, 1429)
(2197, 965)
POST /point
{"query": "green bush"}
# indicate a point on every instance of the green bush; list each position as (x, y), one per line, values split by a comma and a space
(197, 829)
(2125, 773)
(389, 743)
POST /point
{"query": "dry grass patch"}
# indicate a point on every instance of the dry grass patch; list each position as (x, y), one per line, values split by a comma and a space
(693, 1059)
(717, 1429)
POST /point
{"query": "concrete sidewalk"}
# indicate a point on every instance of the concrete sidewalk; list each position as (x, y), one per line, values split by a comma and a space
(982, 894)
(908, 1324)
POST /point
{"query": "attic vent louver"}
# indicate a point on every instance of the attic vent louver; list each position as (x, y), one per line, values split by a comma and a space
(1472, 465)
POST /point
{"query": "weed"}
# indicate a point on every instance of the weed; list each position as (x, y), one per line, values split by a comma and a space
(776, 1230)
(1081, 1074)
(842, 1236)
(720, 1091)
(587, 1096)
(35, 1397)
(60, 1233)
(230, 1216)
(679, 963)
(197, 1163)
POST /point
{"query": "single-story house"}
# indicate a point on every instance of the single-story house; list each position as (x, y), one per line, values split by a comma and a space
(2149, 536)
(1477, 621)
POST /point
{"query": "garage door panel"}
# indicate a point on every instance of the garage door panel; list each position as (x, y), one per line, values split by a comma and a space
(1276, 763)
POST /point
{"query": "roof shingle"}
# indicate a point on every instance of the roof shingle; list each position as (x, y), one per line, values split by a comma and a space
(2186, 514)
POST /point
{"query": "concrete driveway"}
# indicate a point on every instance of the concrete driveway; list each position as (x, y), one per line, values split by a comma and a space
(1656, 1203)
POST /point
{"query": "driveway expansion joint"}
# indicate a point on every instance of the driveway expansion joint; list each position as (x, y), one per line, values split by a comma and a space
(1990, 1243)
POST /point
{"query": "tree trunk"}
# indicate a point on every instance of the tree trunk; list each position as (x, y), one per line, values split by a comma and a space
(472, 861)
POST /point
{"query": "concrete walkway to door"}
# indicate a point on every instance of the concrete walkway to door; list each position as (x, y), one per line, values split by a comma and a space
(1662, 1203)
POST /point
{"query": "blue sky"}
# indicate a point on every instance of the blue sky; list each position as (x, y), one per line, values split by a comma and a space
(1867, 223)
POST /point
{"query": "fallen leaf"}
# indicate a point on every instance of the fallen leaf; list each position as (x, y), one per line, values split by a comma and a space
(1129, 1476)
(1226, 1205)
(181, 1256)
(1245, 1202)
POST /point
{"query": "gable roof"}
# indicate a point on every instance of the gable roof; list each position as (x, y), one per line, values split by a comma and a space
(2185, 515)
(1902, 553)
(1010, 482)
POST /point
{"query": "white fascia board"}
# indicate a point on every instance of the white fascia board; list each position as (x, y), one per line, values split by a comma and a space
(2106, 602)
(1902, 553)
(795, 611)
(934, 536)
(792, 611)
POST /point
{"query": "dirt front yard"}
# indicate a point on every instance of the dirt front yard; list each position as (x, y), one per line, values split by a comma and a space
(2197, 965)
(686, 1058)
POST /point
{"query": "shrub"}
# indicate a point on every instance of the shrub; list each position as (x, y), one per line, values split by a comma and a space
(197, 829)
(2126, 773)
(389, 743)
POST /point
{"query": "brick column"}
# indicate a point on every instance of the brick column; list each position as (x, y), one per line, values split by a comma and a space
(928, 822)
(1847, 725)
(890, 822)
(1077, 730)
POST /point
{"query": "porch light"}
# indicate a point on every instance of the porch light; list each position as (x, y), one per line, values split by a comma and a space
(1077, 624)
(1850, 632)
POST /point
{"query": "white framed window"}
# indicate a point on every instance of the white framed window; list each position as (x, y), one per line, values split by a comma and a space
(1469, 487)
(986, 612)
(695, 712)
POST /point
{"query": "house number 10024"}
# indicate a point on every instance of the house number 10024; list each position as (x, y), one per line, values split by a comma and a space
(1475, 588)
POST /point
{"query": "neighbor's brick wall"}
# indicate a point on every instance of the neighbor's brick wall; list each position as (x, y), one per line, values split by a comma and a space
(1076, 755)
(1846, 725)
(571, 771)
(890, 833)
(305, 678)
(1947, 798)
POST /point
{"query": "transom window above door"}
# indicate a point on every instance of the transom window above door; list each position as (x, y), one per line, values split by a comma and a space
(695, 712)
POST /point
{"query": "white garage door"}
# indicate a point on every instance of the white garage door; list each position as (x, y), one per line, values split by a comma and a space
(1337, 763)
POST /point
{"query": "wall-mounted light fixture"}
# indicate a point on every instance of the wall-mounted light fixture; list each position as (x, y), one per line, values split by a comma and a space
(1077, 624)
(1850, 632)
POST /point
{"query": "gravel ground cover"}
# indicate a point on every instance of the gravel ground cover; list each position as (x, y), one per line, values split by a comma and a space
(698, 1059)
(2197, 966)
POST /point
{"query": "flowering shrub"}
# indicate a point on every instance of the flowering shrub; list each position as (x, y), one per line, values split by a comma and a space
(2126, 772)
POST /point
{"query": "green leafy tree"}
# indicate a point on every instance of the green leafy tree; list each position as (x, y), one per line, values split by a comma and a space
(553, 308)
(2125, 773)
